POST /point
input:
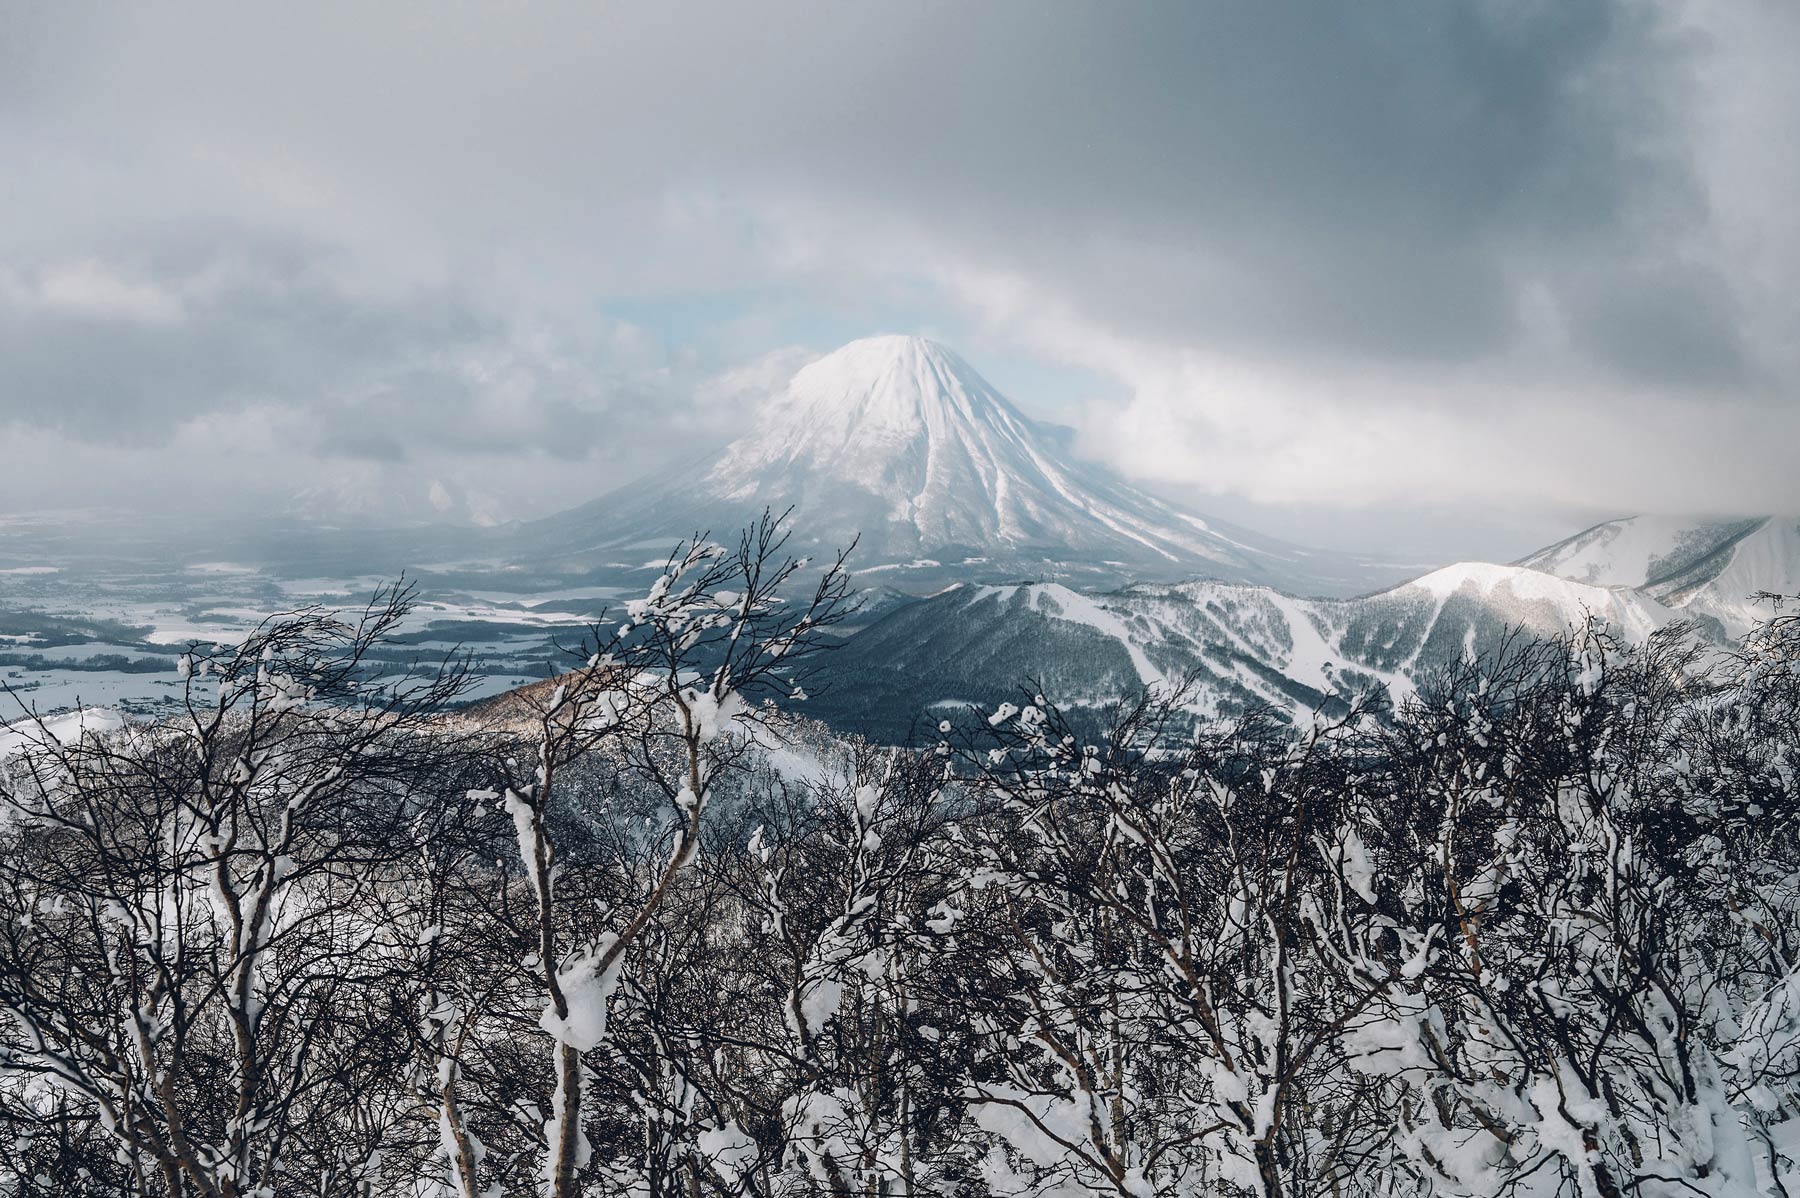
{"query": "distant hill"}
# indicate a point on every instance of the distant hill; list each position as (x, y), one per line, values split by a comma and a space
(1243, 644)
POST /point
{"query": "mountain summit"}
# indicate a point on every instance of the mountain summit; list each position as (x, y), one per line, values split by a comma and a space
(923, 442)
(900, 442)
(930, 457)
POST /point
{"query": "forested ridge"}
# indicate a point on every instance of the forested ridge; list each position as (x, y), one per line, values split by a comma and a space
(637, 931)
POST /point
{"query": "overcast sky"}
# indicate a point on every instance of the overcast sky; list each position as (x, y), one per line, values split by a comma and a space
(1428, 276)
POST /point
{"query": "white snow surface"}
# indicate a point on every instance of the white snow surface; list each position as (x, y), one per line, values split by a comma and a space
(1509, 589)
(61, 729)
(1704, 568)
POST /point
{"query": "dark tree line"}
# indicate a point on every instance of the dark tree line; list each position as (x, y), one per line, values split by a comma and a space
(1532, 930)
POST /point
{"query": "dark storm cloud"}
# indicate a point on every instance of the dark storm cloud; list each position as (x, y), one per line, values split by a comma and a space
(1370, 180)
(1360, 179)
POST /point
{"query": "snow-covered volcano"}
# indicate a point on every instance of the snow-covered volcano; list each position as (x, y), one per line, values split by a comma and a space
(900, 442)
(927, 454)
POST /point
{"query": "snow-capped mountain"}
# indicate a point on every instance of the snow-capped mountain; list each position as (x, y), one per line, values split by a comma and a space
(1709, 570)
(900, 442)
(1243, 644)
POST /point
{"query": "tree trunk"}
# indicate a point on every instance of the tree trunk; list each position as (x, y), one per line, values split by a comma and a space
(464, 1164)
(568, 1084)
(1268, 1169)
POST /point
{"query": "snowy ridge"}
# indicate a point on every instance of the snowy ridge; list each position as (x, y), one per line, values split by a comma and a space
(1709, 570)
(31, 733)
(1242, 644)
(1515, 590)
(1062, 603)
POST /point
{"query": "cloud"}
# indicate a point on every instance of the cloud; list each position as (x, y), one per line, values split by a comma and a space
(129, 351)
(91, 290)
(1534, 253)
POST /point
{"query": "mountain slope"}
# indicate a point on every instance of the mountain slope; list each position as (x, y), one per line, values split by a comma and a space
(1243, 644)
(1709, 570)
(900, 442)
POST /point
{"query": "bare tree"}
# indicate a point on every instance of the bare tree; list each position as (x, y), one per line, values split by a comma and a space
(670, 696)
(188, 954)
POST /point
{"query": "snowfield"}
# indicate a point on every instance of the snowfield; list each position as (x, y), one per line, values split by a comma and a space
(1704, 569)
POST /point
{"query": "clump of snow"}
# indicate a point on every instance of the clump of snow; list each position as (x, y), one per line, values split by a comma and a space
(1353, 860)
(587, 990)
(711, 714)
(729, 1150)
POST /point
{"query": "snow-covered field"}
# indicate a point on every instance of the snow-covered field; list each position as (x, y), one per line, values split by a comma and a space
(109, 634)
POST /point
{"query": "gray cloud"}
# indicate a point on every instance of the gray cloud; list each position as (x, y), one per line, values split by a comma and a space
(124, 349)
(405, 225)
(123, 346)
